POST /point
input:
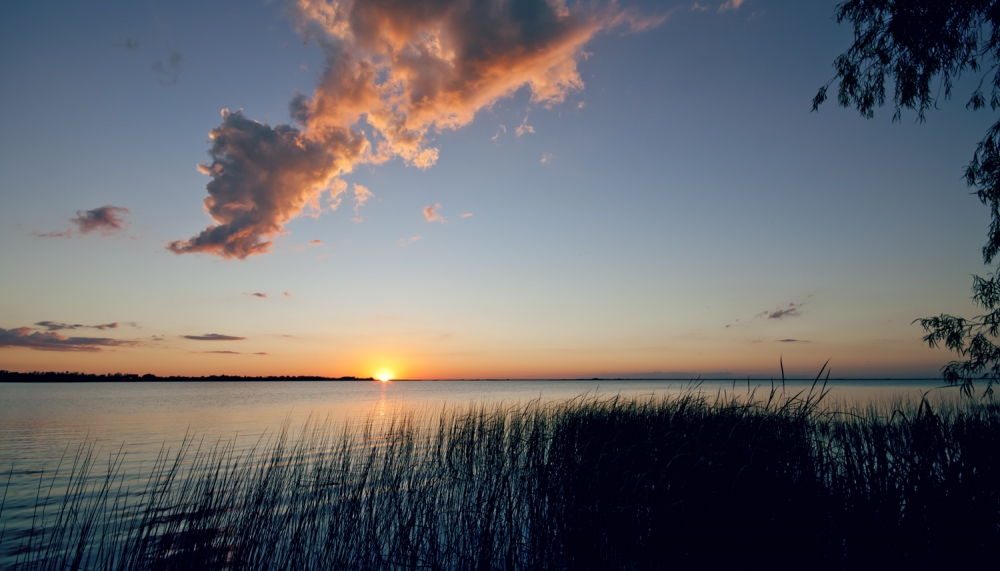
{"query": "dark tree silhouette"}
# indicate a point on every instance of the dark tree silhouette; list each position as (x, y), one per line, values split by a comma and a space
(922, 47)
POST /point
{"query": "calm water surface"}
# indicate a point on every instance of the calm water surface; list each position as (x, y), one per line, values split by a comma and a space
(40, 423)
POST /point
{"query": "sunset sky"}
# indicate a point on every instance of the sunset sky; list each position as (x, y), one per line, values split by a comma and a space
(467, 189)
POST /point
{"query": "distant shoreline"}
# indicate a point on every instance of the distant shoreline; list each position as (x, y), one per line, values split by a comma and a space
(69, 377)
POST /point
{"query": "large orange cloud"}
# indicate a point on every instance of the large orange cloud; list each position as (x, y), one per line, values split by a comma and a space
(395, 71)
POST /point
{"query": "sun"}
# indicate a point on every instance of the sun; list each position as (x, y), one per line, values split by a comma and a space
(385, 375)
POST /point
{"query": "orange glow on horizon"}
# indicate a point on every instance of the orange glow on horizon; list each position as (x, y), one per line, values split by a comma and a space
(385, 375)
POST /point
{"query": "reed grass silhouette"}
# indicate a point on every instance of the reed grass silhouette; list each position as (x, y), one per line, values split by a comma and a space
(692, 481)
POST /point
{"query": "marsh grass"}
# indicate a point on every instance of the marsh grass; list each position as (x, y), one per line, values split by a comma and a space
(699, 480)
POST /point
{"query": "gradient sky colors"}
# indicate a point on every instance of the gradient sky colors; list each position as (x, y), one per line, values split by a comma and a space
(458, 189)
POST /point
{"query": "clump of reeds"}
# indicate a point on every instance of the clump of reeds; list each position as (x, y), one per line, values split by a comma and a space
(593, 483)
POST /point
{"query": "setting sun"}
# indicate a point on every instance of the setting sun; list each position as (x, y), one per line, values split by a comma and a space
(385, 375)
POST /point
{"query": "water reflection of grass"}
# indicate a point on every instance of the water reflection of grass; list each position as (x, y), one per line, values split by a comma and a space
(594, 483)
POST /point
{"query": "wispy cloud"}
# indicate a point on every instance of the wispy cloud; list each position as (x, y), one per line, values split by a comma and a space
(219, 352)
(408, 241)
(465, 215)
(257, 294)
(168, 71)
(395, 72)
(315, 242)
(524, 128)
(792, 310)
(130, 44)
(361, 196)
(287, 294)
(791, 341)
(547, 158)
(731, 5)
(637, 22)
(501, 128)
(63, 234)
(432, 213)
(214, 337)
(106, 220)
(52, 341)
(56, 326)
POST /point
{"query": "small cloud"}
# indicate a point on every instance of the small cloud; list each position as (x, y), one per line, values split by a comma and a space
(56, 326)
(158, 338)
(167, 72)
(52, 341)
(257, 294)
(63, 234)
(501, 128)
(731, 5)
(361, 196)
(219, 352)
(791, 311)
(287, 294)
(696, 7)
(131, 44)
(260, 353)
(107, 220)
(782, 313)
(408, 241)
(213, 337)
(524, 128)
(465, 215)
(315, 242)
(547, 157)
(790, 341)
(581, 105)
(432, 213)
(638, 22)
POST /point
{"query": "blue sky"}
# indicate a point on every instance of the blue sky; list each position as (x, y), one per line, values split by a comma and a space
(687, 194)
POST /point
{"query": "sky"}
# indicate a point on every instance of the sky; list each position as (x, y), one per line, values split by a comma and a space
(447, 189)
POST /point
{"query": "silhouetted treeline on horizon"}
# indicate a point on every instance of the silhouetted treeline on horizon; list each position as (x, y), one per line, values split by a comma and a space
(69, 377)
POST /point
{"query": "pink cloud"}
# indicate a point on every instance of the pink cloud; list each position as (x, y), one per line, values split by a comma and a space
(730, 5)
(524, 128)
(432, 213)
(361, 196)
(395, 71)
(106, 220)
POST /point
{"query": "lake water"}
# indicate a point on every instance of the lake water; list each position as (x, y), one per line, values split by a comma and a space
(41, 423)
